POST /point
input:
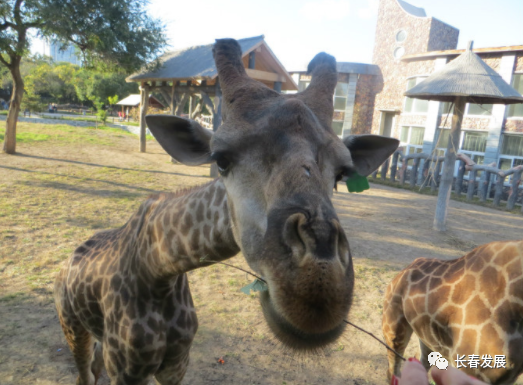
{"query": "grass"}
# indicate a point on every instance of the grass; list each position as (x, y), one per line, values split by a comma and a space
(28, 137)
(63, 134)
(46, 209)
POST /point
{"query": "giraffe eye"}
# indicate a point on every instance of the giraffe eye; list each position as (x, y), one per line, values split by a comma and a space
(222, 163)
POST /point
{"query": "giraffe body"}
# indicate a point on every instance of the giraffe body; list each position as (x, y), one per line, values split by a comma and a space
(279, 160)
(472, 305)
(121, 289)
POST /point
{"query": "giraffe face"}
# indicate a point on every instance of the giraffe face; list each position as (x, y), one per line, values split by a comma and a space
(279, 161)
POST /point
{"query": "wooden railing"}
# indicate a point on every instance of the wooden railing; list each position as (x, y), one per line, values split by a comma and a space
(431, 170)
(205, 121)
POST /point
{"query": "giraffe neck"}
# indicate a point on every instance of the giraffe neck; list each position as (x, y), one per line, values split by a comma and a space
(176, 233)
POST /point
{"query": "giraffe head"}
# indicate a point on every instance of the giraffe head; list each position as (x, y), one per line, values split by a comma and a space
(279, 160)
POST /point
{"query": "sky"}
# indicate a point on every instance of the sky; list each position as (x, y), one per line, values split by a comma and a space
(296, 30)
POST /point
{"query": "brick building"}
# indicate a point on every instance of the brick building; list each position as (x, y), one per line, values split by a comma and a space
(408, 47)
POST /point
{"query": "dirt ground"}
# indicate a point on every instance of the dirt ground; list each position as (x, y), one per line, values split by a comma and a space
(56, 192)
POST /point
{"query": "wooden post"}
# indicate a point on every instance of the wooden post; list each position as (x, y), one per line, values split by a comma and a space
(403, 171)
(440, 217)
(459, 179)
(217, 120)
(425, 173)
(414, 172)
(252, 60)
(484, 186)
(181, 104)
(144, 103)
(384, 169)
(499, 189)
(472, 184)
(516, 180)
(277, 86)
(191, 98)
(173, 98)
(434, 182)
(394, 167)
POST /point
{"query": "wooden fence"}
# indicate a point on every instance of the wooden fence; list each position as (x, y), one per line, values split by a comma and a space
(431, 170)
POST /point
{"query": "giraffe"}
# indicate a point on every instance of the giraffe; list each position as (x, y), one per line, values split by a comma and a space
(123, 297)
(472, 305)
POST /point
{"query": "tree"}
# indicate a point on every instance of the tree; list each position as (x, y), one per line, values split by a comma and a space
(93, 84)
(53, 82)
(109, 32)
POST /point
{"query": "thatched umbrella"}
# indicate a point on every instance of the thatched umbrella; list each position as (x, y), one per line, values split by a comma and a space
(466, 79)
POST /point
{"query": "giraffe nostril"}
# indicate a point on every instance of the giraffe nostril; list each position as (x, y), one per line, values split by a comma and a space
(291, 234)
(322, 240)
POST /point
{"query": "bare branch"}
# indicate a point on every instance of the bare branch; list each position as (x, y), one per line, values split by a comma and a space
(5, 62)
(6, 25)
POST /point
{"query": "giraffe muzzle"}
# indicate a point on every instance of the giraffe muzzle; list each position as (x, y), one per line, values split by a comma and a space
(310, 289)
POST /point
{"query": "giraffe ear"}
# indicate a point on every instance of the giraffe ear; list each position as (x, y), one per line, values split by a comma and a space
(368, 152)
(183, 139)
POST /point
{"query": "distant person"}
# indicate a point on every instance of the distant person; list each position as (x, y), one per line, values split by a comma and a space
(50, 107)
(127, 113)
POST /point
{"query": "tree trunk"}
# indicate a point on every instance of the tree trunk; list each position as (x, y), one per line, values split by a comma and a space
(440, 218)
(14, 108)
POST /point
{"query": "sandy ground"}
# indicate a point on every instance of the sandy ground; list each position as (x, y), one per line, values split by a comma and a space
(387, 229)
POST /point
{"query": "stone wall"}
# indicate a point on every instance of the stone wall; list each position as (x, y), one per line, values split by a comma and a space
(364, 104)
(422, 34)
(442, 36)
(468, 123)
(519, 62)
(514, 125)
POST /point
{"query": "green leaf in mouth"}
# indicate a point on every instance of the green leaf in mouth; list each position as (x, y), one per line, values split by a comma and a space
(254, 286)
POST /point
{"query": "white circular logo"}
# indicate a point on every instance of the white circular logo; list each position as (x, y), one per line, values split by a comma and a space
(437, 359)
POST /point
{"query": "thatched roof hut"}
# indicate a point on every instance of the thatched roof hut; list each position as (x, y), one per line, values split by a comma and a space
(183, 74)
(467, 76)
(197, 63)
(467, 79)
(134, 101)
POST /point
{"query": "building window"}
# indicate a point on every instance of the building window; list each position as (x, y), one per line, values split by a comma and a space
(340, 103)
(471, 143)
(412, 139)
(511, 153)
(479, 109)
(302, 85)
(399, 52)
(516, 110)
(470, 109)
(412, 105)
(401, 36)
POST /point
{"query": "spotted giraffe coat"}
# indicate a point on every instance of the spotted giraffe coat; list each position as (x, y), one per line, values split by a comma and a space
(125, 289)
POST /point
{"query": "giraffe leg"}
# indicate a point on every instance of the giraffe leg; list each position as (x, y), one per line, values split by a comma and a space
(77, 337)
(397, 333)
(124, 366)
(172, 370)
(80, 343)
(97, 362)
(424, 353)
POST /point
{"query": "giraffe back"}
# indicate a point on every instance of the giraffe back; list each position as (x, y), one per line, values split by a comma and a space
(472, 305)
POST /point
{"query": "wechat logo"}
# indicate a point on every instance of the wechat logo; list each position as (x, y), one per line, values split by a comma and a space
(437, 359)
